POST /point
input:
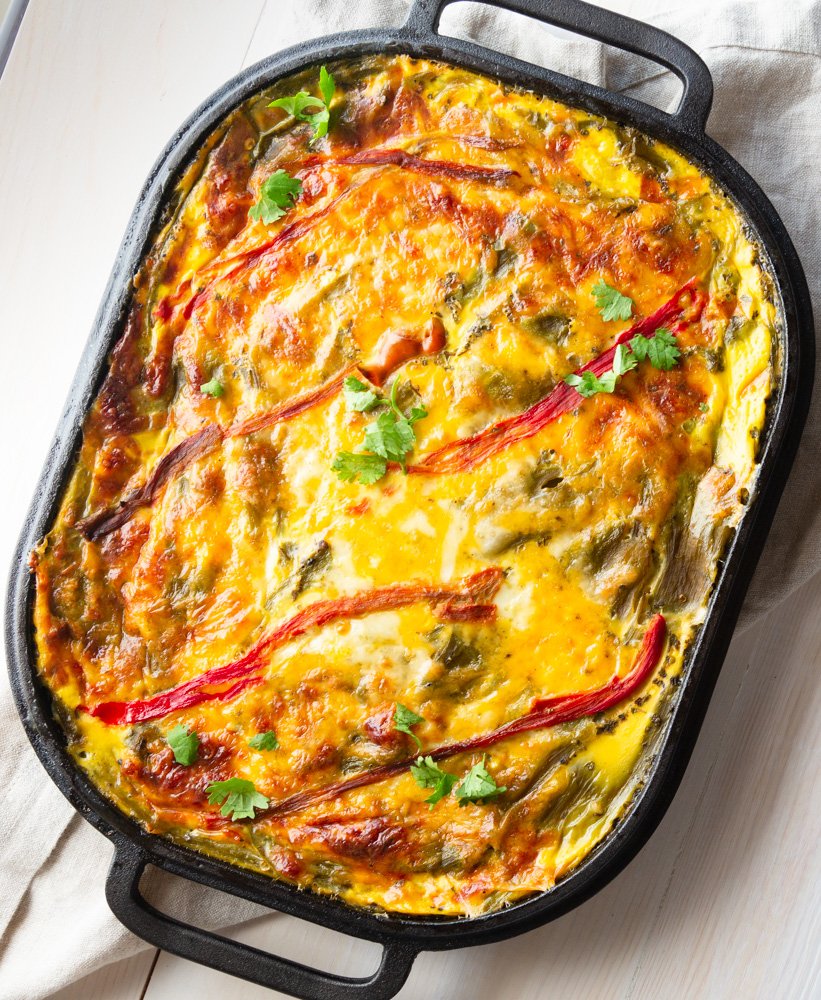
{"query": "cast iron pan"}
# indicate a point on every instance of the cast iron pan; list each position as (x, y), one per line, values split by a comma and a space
(403, 937)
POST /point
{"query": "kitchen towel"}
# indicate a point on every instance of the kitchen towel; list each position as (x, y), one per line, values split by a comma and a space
(765, 57)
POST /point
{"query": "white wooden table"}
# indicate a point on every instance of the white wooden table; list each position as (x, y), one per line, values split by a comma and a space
(724, 901)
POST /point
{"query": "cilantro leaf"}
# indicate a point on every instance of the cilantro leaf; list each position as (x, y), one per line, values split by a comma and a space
(427, 774)
(478, 785)
(391, 437)
(277, 194)
(264, 741)
(663, 350)
(184, 743)
(623, 360)
(403, 719)
(611, 303)
(588, 384)
(639, 345)
(358, 396)
(307, 108)
(369, 468)
(213, 388)
(327, 86)
(239, 798)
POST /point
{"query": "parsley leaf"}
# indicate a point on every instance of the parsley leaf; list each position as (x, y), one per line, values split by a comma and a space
(358, 396)
(663, 350)
(184, 743)
(213, 388)
(427, 774)
(369, 468)
(639, 345)
(264, 741)
(403, 719)
(478, 785)
(611, 303)
(623, 360)
(588, 384)
(307, 108)
(239, 798)
(277, 194)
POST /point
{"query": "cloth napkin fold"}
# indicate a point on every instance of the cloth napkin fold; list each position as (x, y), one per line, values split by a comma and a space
(765, 57)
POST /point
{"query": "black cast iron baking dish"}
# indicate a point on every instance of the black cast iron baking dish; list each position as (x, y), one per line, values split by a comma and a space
(403, 938)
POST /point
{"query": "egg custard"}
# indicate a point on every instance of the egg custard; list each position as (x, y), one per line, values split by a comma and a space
(435, 407)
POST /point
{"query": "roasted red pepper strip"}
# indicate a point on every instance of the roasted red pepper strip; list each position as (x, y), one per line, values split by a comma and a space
(465, 453)
(182, 455)
(478, 587)
(436, 168)
(111, 518)
(546, 712)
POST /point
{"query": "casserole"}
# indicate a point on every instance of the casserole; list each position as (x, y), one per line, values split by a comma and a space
(786, 313)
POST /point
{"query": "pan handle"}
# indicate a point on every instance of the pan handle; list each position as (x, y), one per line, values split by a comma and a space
(237, 959)
(610, 28)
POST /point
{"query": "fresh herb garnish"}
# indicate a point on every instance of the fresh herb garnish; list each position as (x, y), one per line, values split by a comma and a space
(392, 435)
(307, 108)
(389, 438)
(427, 774)
(611, 303)
(588, 384)
(277, 194)
(264, 741)
(348, 465)
(358, 396)
(239, 798)
(661, 349)
(478, 785)
(213, 388)
(184, 744)
(403, 719)
(624, 360)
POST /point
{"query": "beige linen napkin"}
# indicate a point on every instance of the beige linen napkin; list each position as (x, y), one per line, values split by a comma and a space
(55, 926)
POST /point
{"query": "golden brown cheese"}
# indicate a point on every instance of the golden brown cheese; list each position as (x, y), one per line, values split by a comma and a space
(473, 282)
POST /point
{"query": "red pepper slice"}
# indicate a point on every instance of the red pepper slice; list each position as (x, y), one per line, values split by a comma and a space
(182, 455)
(466, 592)
(465, 453)
(436, 168)
(546, 712)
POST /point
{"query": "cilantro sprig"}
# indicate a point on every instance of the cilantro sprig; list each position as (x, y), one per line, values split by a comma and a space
(277, 195)
(264, 741)
(427, 774)
(611, 303)
(388, 439)
(588, 384)
(403, 719)
(358, 396)
(213, 388)
(661, 350)
(369, 468)
(306, 107)
(239, 798)
(184, 743)
(478, 785)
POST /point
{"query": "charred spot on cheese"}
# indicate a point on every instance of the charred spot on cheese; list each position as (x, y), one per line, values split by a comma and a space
(207, 569)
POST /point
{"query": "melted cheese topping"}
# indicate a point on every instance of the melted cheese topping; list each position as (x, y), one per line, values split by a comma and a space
(616, 510)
